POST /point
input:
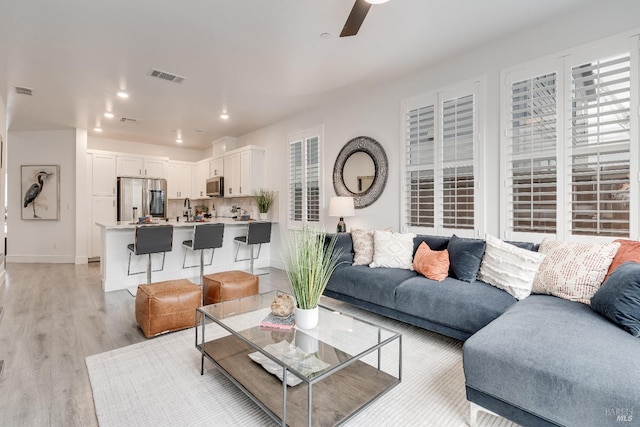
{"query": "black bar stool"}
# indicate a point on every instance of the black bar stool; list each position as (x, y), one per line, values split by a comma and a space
(205, 236)
(257, 234)
(151, 239)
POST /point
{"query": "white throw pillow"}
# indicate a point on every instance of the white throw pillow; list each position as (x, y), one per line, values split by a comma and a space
(573, 271)
(392, 250)
(363, 246)
(509, 267)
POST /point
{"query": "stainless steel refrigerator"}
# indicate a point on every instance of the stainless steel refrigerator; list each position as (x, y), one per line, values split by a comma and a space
(149, 196)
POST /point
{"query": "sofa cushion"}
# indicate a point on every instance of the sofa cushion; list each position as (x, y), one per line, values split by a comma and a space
(433, 265)
(465, 256)
(509, 268)
(453, 303)
(629, 251)
(392, 250)
(557, 359)
(573, 271)
(618, 299)
(344, 244)
(436, 243)
(374, 285)
(363, 246)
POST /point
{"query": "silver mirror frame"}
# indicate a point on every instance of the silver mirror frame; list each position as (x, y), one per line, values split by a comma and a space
(379, 157)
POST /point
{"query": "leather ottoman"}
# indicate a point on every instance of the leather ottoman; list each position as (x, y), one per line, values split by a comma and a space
(228, 285)
(167, 306)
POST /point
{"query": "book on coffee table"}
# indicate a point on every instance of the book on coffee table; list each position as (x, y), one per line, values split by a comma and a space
(272, 321)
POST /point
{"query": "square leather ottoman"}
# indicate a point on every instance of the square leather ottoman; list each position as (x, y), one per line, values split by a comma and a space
(167, 306)
(228, 285)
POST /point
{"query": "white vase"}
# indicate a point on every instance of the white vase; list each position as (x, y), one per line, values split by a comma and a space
(307, 318)
(263, 216)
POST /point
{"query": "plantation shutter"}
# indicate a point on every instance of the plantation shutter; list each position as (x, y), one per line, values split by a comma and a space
(458, 133)
(295, 181)
(531, 155)
(420, 158)
(313, 179)
(600, 147)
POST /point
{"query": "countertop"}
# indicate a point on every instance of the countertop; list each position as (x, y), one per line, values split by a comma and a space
(121, 225)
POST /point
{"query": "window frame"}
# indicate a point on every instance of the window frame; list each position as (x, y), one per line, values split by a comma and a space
(304, 136)
(562, 64)
(437, 99)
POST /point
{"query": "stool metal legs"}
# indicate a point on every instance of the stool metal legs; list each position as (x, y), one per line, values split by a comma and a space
(251, 257)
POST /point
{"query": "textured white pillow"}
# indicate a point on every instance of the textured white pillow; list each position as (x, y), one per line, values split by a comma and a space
(363, 246)
(573, 271)
(509, 267)
(392, 250)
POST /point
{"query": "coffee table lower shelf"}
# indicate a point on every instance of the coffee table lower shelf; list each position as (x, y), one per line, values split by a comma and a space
(335, 398)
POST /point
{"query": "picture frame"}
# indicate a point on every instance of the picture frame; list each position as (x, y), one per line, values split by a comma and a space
(40, 192)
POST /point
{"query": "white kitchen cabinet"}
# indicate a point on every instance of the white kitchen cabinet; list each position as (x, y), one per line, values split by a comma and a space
(244, 171)
(103, 209)
(141, 167)
(200, 175)
(103, 174)
(216, 167)
(179, 180)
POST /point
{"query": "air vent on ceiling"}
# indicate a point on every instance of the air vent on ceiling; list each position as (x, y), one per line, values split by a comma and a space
(24, 91)
(129, 120)
(166, 76)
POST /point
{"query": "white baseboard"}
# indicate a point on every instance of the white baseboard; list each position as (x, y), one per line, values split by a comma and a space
(41, 259)
(82, 260)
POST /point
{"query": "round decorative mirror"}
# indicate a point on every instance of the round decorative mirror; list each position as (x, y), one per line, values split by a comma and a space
(360, 171)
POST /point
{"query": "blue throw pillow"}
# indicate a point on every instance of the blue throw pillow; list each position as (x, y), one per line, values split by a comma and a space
(435, 243)
(618, 299)
(465, 256)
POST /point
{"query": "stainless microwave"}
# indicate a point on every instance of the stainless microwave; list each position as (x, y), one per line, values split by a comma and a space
(215, 186)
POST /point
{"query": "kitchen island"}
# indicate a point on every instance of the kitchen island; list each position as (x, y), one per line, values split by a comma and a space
(115, 255)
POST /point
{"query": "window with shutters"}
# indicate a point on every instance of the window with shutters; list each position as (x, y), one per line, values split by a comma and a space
(568, 145)
(304, 178)
(440, 172)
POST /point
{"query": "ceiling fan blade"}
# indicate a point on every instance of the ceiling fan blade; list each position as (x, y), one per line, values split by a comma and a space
(355, 19)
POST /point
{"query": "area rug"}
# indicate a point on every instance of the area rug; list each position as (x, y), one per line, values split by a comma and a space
(158, 383)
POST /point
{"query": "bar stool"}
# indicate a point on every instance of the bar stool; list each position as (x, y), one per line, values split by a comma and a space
(149, 240)
(257, 234)
(205, 236)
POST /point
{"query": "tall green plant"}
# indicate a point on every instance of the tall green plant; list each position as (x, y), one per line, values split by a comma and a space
(310, 262)
(264, 199)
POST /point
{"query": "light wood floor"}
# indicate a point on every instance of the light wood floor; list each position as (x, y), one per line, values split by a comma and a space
(54, 316)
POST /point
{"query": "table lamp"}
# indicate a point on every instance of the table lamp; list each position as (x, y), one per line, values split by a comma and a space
(341, 207)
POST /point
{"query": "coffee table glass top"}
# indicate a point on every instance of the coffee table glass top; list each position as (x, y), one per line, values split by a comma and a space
(308, 354)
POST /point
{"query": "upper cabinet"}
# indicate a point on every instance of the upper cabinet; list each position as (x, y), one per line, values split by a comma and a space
(243, 171)
(216, 167)
(179, 180)
(141, 167)
(200, 175)
(103, 174)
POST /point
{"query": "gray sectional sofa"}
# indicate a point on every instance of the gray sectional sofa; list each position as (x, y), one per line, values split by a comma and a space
(541, 361)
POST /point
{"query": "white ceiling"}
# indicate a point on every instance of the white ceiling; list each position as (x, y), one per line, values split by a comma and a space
(261, 60)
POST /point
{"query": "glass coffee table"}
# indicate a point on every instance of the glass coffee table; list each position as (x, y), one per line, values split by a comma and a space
(321, 377)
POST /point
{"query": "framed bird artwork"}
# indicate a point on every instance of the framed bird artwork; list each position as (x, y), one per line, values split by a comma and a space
(40, 192)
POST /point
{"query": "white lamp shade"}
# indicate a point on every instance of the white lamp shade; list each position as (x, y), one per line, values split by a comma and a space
(341, 206)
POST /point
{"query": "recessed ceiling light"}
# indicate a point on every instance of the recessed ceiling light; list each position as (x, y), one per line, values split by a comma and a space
(97, 129)
(108, 115)
(224, 116)
(123, 94)
(325, 35)
(179, 141)
(376, 1)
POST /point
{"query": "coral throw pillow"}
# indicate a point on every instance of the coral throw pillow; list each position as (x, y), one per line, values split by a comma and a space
(629, 251)
(433, 265)
(573, 271)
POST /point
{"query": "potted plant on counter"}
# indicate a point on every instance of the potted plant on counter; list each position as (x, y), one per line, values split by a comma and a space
(264, 199)
(309, 261)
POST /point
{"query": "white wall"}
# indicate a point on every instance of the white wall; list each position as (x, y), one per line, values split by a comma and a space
(42, 241)
(3, 152)
(143, 149)
(376, 113)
